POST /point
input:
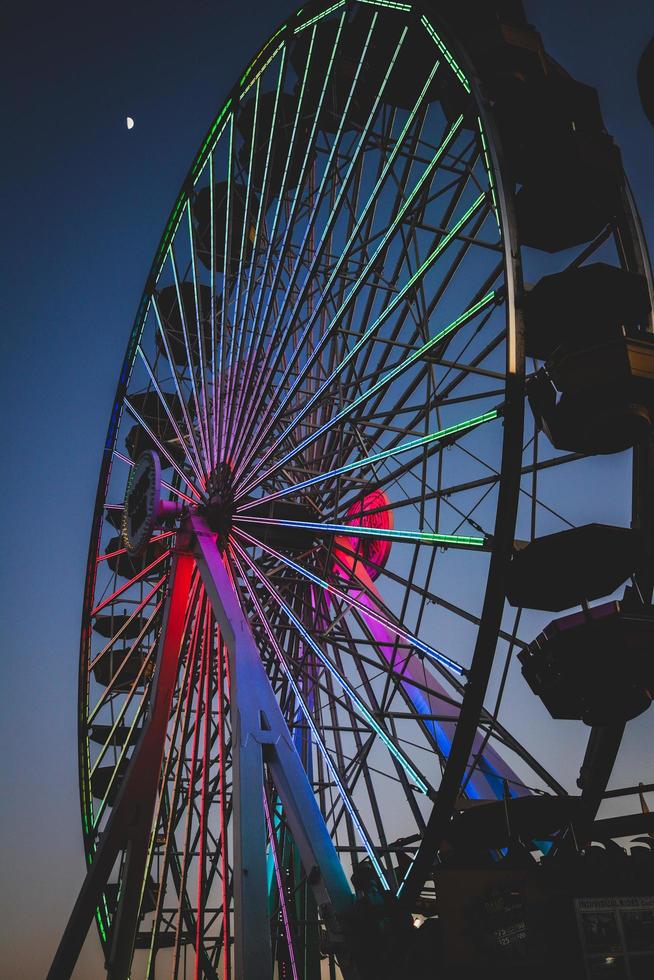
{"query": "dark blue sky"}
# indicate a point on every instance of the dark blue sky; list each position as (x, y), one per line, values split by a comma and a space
(84, 204)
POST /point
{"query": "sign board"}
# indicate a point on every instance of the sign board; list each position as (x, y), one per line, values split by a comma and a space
(617, 936)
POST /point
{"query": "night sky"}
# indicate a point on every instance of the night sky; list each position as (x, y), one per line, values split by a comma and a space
(84, 204)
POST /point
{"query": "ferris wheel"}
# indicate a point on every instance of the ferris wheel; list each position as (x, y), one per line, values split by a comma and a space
(398, 321)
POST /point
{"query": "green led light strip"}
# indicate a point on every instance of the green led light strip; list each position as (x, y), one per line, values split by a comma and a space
(415, 356)
(248, 70)
(489, 170)
(314, 20)
(446, 54)
(261, 70)
(201, 155)
(388, 3)
(356, 464)
(358, 531)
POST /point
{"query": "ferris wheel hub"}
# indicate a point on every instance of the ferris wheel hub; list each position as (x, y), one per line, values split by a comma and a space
(219, 509)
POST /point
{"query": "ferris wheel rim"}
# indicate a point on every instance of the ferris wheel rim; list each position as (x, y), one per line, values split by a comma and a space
(512, 408)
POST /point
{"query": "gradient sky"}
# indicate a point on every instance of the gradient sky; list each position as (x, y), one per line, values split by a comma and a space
(84, 205)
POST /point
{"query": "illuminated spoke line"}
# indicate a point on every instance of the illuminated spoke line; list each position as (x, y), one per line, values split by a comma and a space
(290, 222)
(351, 296)
(347, 644)
(369, 305)
(442, 244)
(455, 682)
(162, 449)
(394, 673)
(168, 486)
(422, 593)
(349, 690)
(464, 370)
(239, 325)
(394, 304)
(109, 689)
(263, 196)
(267, 268)
(255, 244)
(132, 581)
(141, 605)
(189, 687)
(376, 286)
(203, 834)
(445, 220)
(351, 383)
(309, 224)
(428, 311)
(344, 182)
(337, 490)
(380, 419)
(171, 418)
(224, 808)
(300, 701)
(356, 531)
(394, 475)
(214, 840)
(199, 323)
(180, 396)
(460, 321)
(333, 703)
(351, 649)
(354, 603)
(126, 746)
(343, 254)
(144, 631)
(356, 464)
(212, 271)
(189, 359)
